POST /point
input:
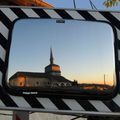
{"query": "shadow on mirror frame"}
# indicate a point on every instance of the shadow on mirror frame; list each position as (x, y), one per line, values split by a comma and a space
(62, 56)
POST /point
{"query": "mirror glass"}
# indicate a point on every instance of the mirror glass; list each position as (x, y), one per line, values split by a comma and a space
(62, 55)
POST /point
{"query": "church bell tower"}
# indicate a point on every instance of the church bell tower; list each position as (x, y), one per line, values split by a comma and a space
(52, 69)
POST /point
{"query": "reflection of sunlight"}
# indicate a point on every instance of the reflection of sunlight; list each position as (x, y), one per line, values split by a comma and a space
(56, 68)
(86, 65)
(107, 79)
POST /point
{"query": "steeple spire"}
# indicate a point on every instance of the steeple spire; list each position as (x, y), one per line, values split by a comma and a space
(52, 69)
(51, 56)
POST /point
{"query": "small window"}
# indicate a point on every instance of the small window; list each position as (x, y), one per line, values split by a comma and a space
(21, 84)
(37, 83)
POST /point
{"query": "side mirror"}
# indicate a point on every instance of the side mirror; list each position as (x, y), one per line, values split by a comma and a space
(62, 57)
(63, 98)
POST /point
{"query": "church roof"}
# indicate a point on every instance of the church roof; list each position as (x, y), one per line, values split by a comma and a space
(40, 75)
(52, 65)
(60, 79)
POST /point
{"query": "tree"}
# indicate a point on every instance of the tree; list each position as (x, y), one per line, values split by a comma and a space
(111, 3)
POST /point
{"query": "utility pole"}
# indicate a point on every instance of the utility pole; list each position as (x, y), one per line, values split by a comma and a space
(104, 82)
(104, 79)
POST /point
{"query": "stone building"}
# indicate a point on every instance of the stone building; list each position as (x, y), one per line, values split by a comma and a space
(51, 78)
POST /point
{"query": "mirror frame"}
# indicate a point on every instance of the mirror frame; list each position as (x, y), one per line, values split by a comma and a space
(61, 95)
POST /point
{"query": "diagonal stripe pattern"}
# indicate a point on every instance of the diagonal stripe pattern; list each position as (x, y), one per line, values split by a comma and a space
(7, 17)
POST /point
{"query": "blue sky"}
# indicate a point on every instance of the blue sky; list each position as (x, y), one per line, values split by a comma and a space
(80, 4)
(84, 50)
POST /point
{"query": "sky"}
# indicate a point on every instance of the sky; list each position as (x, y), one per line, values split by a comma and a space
(81, 4)
(83, 50)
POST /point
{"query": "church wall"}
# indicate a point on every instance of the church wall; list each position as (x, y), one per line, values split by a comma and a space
(17, 82)
(36, 82)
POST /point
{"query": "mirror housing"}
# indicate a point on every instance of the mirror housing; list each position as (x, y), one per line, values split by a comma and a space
(85, 68)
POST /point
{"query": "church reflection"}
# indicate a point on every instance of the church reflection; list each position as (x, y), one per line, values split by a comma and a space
(51, 79)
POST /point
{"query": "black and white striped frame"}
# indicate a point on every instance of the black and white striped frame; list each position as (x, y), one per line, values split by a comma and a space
(56, 105)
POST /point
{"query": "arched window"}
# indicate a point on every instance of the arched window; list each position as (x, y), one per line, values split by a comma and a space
(21, 84)
(37, 83)
(68, 84)
(62, 85)
(55, 85)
